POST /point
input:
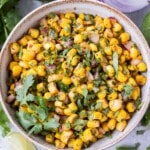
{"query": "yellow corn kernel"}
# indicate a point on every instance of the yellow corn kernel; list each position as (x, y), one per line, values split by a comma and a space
(135, 93)
(121, 125)
(62, 96)
(12, 64)
(103, 42)
(80, 71)
(121, 77)
(117, 27)
(58, 135)
(105, 127)
(32, 63)
(67, 112)
(122, 115)
(73, 107)
(134, 52)
(111, 124)
(40, 87)
(41, 70)
(108, 51)
(59, 110)
(12, 86)
(93, 124)
(59, 104)
(113, 41)
(47, 95)
(14, 48)
(102, 94)
(36, 47)
(122, 59)
(90, 86)
(23, 108)
(140, 79)
(75, 60)
(23, 64)
(16, 71)
(64, 22)
(28, 56)
(97, 115)
(70, 143)
(98, 18)
(72, 118)
(83, 114)
(124, 37)
(87, 135)
(112, 96)
(78, 38)
(115, 105)
(120, 87)
(81, 16)
(126, 54)
(108, 33)
(141, 67)
(40, 56)
(72, 52)
(55, 77)
(110, 114)
(31, 71)
(110, 71)
(49, 138)
(52, 88)
(59, 144)
(130, 107)
(104, 118)
(69, 15)
(132, 81)
(66, 80)
(93, 47)
(131, 67)
(65, 136)
(23, 41)
(103, 103)
(34, 32)
(77, 144)
(98, 55)
(107, 23)
(90, 28)
(75, 80)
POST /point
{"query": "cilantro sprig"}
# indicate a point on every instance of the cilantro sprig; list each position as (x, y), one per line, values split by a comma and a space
(22, 93)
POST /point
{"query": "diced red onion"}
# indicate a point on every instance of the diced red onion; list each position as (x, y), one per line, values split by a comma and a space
(93, 63)
(18, 85)
(43, 22)
(10, 98)
(94, 37)
(135, 61)
(51, 68)
(68, 43)
(57, 117)
(89, 76)
(128, 45)
(96, 75)
(101, 130)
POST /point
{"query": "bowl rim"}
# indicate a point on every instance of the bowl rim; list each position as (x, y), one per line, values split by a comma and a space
(57, 2)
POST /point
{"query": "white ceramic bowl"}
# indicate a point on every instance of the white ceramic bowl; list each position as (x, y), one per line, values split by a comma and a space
(78, 6)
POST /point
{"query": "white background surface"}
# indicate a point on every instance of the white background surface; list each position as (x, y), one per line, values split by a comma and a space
(26, 6)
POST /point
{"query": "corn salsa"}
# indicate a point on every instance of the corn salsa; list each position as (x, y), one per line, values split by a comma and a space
(75, 78)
